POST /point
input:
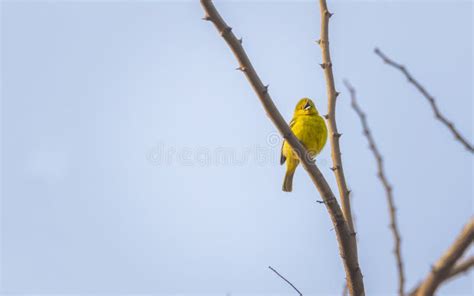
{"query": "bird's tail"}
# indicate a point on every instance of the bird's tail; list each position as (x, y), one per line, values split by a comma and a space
(288, 181)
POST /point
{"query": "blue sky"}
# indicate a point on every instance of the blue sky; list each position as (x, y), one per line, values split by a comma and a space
(136, 160)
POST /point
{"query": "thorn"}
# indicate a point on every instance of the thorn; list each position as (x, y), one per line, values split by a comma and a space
(240, 40)
(265, 89)
(206, 18)
(320, 201)
(326, 116)
(348, 192)
(318, 41)
(286, 135)
(243, 69)
(328, 13)
(337, 135)
(325, 65)
(334, 168)
(226, 30)
(337, 94)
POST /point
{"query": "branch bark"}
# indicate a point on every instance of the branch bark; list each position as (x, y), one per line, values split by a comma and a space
(430, 99)
(457, 270)
(334, 135)
(343, 233)
(388, 188)
(443, 268)
(460, 268)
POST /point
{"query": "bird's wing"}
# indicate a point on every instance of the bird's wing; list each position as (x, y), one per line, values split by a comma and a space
(282, 157)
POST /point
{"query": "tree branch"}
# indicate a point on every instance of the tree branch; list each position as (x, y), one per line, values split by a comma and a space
(443, 268)
(343, 234)
(334, 135)
(388, 188)
(457, 270)
(430, 99)
(460, 268)
(289, 283)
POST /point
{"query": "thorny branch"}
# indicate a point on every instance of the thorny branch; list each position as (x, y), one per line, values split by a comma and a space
(334, 135)
(385, 183)
(445, 267)
(283, 278)
(343, 233)
(430, 99)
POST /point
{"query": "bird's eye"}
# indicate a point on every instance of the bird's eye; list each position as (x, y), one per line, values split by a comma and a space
(307, 106)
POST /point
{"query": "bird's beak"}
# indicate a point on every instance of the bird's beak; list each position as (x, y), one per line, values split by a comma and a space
(307, 106)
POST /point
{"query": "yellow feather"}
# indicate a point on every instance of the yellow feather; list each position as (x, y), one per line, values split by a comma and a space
(310, 128)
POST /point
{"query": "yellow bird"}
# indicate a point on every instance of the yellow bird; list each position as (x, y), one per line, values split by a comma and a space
(309, 127)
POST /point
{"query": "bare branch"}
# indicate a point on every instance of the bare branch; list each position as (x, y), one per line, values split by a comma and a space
(430, 99)
(343, 233)
(334, 135)
(457, 270)
(388, 188)
(289, 283)
(460, 268)
(443, 268)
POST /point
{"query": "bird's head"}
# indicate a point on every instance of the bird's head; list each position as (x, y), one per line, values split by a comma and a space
(306, 107)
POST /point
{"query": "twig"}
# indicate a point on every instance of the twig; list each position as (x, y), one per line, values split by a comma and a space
(460, 268)
(332, 94)
(283, 278)
(443, 268)
(430, 99)
(343, 234)
(386, 185)
(457, 270)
